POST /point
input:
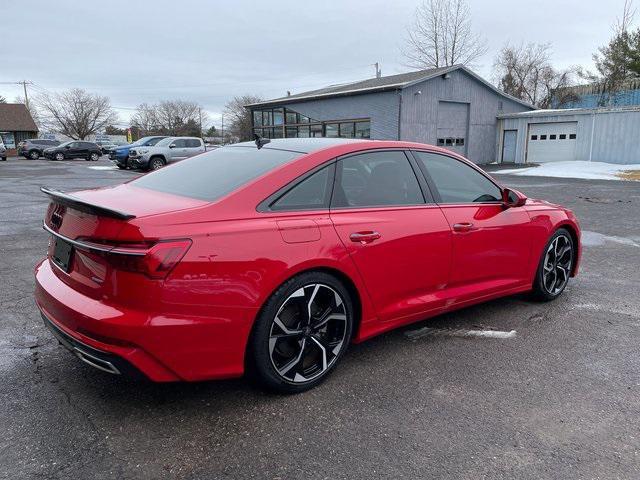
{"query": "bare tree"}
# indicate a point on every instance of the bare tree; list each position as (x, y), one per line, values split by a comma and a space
(3, 99)
(170, 117)
(441, 36)
(76, 113)
(525, 72)
(145, 119)
(239, 117)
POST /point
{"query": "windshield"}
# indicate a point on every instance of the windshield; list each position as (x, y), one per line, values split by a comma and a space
(164, 142)
(212, 175)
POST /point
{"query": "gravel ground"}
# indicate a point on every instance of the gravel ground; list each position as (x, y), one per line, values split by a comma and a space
(559, 399)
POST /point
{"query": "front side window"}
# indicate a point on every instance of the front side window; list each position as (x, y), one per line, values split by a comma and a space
(376, 179)
(457, 182)
(312, 193)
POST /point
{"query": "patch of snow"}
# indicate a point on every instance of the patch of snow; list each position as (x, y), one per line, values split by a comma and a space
(573, 169)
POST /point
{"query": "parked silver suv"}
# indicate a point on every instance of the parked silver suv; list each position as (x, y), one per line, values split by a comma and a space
(3, 151)
(167, 150)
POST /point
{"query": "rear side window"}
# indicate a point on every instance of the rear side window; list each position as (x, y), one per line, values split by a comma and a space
(193, 143)
(214, 174)
(376, 179)
(456, 181)
(311, 193)
(179, 143)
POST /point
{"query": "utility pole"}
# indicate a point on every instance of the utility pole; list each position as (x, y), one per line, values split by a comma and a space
(222, 131)
(26, 97)
(200, 114)
(24, 84)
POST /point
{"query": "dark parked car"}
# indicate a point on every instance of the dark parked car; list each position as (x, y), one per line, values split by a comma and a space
(34, 148)
(74, 149)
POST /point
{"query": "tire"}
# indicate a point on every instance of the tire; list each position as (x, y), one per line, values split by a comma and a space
(155, 163)
(121, 167)
(59, 156)
(289, 354)
(93, 157)
(555, 266)
(34, 155)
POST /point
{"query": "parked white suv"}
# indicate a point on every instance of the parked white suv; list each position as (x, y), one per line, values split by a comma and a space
(167, 150)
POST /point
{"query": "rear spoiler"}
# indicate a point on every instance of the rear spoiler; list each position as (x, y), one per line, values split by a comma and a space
(78, 204)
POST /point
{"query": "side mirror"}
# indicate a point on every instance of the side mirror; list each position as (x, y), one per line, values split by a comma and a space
(173, 145)
(513, 198)
(67, 147)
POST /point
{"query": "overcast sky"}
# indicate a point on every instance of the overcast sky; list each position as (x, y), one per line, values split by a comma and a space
(209, 51)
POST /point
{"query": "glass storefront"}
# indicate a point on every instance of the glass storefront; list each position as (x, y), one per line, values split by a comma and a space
(287, 123)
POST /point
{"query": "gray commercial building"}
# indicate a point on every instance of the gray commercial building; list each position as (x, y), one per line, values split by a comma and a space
(451, 107)
(590, 134)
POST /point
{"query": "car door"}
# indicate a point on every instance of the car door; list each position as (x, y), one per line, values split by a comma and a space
(491, 244)
(194, 147)
(397, 237)
(72, 151)
(179, 149)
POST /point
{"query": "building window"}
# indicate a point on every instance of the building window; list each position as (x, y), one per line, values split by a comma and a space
(278, 116)
(534, 137)
(552, 137)
(441, 142)
(291, 117)
(331, 130)
(563, 136)
(284, 122)
(460, 142)
(316, 130)
(291, 132)
(572, 136)
(257, 118)
(363, 130)
(543, 137)
(303, 131)
(347, 130)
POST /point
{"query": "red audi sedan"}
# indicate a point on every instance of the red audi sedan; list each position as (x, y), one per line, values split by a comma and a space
(271, 257)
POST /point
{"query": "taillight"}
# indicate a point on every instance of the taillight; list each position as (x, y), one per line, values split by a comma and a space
(156, 262)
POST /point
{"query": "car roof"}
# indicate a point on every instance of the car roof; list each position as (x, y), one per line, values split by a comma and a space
(302, 145)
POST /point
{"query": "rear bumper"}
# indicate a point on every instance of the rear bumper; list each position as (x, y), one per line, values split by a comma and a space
(99, 359)
(160, 346)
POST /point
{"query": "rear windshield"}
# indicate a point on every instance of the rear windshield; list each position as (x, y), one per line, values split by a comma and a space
(212, 175)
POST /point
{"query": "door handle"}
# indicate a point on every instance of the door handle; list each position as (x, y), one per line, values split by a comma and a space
(462, 227)
(364, 237)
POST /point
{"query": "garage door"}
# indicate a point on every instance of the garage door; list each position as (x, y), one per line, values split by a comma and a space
(453, 122)
(551, 142)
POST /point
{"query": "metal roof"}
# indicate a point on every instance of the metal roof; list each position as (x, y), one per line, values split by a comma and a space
(14, 117)
(570, 111)
(391, 82)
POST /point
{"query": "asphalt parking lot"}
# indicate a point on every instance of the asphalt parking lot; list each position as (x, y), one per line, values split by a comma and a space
(558, 399)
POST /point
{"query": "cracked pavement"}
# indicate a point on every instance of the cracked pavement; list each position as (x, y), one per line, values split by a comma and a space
(559, 400)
